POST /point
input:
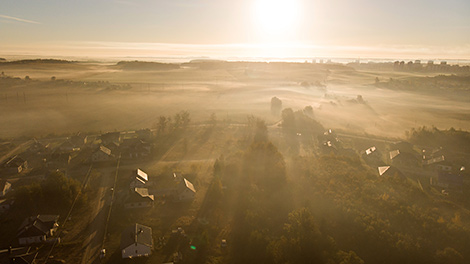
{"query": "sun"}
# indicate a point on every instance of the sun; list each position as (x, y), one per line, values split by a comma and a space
(275, 16)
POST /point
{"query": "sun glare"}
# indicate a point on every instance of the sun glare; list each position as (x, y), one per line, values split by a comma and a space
(276, 16)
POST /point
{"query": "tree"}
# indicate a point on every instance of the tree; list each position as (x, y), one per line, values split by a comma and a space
(288, 121)
(276, 106)
(53, 78)
(162, 123)
(261, 132)
(302, 242)
(213, 120)
(308, 111)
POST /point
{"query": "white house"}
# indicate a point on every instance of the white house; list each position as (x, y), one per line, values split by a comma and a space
(136, 241)
(36, 229)
(139, 198)
(101, 155)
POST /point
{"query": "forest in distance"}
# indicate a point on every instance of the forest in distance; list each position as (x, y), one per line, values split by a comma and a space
(244, 162)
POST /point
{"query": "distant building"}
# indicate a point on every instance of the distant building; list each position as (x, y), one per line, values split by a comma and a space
(37, 229)
(136, 241)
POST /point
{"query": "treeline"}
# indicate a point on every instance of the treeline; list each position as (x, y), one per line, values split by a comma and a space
(146, 66)
(451, 139)
(17, 82)
(437, 83)
(171, 124)
(36, 61)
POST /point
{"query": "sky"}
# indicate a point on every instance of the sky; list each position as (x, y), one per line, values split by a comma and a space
(243, 28)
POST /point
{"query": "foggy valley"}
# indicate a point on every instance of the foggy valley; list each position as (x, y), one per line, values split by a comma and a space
(251, 131)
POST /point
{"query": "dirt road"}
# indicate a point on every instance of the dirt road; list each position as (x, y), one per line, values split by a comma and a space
(93, 242)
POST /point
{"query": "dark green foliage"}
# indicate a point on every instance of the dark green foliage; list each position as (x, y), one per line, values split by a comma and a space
(56, 191)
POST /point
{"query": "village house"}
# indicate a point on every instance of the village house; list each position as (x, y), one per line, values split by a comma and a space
(139, 198)
(390, 171)
(37, 229)
(138, 179)
(439, 163)
(329, 147)
(38, 148)
(185, 191)
(372, 156)
(113, 146)
(15, 165)
(68, 146)
(134, 148)
(110, 137)
(5, 187)
(136, 241)
(102, 154)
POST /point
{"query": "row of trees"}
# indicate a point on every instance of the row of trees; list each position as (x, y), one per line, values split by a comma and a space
(178, 122)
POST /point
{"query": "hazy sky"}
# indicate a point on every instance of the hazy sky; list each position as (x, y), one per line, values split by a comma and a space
(424, 28)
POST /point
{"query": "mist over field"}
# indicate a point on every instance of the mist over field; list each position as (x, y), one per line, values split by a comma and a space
(93, 97)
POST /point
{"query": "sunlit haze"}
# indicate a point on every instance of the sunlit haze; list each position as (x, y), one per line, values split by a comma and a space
(300, 28)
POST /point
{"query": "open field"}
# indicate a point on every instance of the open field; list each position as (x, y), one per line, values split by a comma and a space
(95, 97)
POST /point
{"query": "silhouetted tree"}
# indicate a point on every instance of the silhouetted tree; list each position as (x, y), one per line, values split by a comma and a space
(276, 106)
(308, 111)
